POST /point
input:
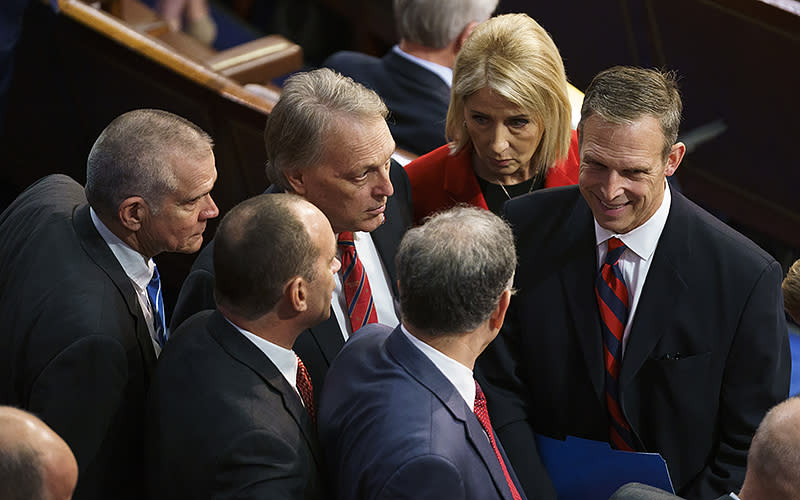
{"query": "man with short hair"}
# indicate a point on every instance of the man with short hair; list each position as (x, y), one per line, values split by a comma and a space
(641, 320)
(81, 312)
(401, 415)
(231, 413)
(414, 78)
(35, 463)
(327, 141)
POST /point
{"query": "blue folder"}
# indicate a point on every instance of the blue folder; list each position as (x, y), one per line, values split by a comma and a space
(590, 470)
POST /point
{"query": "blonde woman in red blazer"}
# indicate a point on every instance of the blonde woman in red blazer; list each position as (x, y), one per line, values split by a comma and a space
(508, 122)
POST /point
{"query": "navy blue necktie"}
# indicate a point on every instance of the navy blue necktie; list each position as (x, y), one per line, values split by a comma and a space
(157, 305)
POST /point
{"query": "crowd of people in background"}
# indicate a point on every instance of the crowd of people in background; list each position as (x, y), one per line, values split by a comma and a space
(364, 330)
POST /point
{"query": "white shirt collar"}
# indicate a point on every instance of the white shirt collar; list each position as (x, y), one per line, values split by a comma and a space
(139, 270)
(642, 240)
(458, 375)
(443, 72)
(284, 359)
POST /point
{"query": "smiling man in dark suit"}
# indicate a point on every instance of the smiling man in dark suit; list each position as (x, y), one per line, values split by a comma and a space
(80, 315)
(327, 141)
(226, 412)
(415, 76)
(641, 320)
(401, 416)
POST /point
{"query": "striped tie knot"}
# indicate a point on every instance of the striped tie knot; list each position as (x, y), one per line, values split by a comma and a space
(615, 250)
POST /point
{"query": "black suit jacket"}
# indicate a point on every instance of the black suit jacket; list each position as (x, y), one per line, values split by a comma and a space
(707, 355)
(318, 345)
(417, 98)
(74, 348)
(224, 423)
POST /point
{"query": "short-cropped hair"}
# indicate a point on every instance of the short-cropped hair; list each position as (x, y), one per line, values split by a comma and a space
(791, 291)
(436, 24)
(514, 57)
(624, 94)
(133, 157)
(311, 105)
(21, 475)
(259, 246)
(453, 269)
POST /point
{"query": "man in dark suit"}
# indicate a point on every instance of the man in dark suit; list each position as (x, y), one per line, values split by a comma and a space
(772, 462)
(327, 141)
(640, 319)
(226, 411)
(414, 78)
(396, 415)
(81, 329)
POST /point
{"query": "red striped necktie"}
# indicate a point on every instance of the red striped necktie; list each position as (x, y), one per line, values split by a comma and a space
(483, 417)
(357, 292)
(612, 299)
(305, 388)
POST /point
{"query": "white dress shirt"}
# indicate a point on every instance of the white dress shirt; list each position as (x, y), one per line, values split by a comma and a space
(443, 72)
(138, 270)
(636, 259)
(284, 359)
(458, 375)
(378, 283)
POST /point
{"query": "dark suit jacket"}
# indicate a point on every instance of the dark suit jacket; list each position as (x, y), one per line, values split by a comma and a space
(707, 356)
(318, 345)
(74, 349)
(224, 423)
(417, 98)
(392, 426)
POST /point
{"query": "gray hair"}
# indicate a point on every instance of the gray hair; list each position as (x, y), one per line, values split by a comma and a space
(304, 117)
(259, 246)
(133, 157)
(625, 94)
(436, 23)
(453, 269)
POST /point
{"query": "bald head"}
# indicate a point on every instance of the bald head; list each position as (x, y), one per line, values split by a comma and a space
(774, 457)
(35, 463)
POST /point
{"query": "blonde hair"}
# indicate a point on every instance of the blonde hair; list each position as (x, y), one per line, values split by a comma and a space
(791, 291)
(515, 57)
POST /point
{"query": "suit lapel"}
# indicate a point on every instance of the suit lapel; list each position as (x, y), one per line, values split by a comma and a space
(329, 337)
(662, 289)
(248, 354)
(425, 372)
(398, 218)
(578, 276)
(97, 249)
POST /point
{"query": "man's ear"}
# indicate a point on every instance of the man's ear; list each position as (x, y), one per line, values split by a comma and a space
(132, 212)
(296, 294)
(297, 181)
(675, 157)
(462, 37)
(499, 314)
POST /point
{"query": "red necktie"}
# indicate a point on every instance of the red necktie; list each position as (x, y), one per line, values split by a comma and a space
(612, 299)
(305, 389)
(483, 418)
(360, 306)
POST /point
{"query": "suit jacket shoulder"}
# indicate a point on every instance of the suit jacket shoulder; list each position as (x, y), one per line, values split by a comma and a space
(267, 448)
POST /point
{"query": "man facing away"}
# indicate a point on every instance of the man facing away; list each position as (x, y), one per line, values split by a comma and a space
(35, 463)
(401, 415)
(641, 320)
(327, 141)
(81, 311)
(231, 411)
(414, 78)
